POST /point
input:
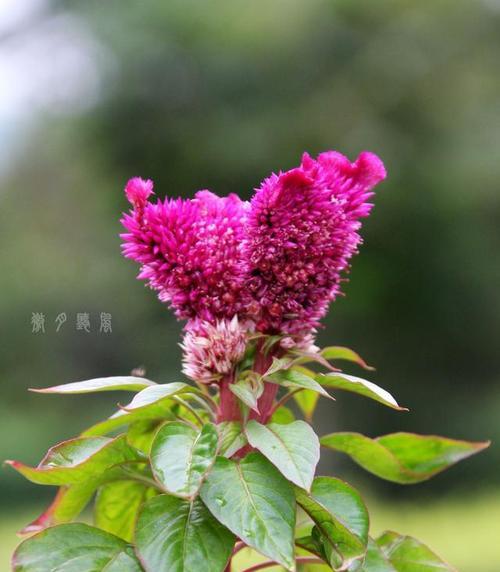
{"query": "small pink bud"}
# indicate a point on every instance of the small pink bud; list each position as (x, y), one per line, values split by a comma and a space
(138, 191)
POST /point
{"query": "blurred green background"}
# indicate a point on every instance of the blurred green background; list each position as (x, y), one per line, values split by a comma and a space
(217, 95)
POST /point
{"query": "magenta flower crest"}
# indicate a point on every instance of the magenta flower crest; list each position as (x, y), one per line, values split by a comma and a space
(302, 231)
(190, 251)
(274, 263)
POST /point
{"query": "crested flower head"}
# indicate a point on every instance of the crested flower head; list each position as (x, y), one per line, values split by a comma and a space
(189, 250)
(212, 350)
(277, 262)
(302, 231)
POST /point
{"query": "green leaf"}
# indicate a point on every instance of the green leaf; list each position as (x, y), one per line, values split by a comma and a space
(406, 554)
(340, 516)
(177, 535)
(248, 390)
(231, 438)
(292, 448)
(141, 434)
(256, 503)
(283, 415)
(181, 456)
(297, 379)
(119, 383)
(359, 386)
(307, 401)
(66, 506)
(158, 393)
(403, 458)
(342, 353)
(116, 507)
(74, 548)
(77, 460)
(278, 364)
(161, 411)
(375, 559)
(154, 402)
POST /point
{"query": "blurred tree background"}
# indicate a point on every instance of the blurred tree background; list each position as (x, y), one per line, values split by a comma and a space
(217, 95)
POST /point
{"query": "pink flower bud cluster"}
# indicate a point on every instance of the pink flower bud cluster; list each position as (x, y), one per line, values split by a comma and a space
(274, 263)
(211, 350)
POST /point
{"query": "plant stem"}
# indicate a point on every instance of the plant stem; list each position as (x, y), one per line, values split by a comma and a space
(269, 563)
(189, 408)
(284, 399)
(229, 410)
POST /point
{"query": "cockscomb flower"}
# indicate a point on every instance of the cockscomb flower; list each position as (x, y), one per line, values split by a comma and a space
(302, 231)
(190, 251)
(211, 350)
(277, 261)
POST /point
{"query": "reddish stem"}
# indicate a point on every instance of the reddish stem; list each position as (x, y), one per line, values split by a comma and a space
(229, 410)
(265, 403)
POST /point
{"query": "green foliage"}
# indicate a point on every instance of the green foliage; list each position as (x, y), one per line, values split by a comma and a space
(181, 489)
(402, 457)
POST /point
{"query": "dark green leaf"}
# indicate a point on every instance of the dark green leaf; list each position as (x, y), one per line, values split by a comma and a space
(231, 438)
(256, 502)
(74, 548)
(77, 460)
(403, 458)
(406, 554)
(176, 535)
(292, 448)
(360, 386)
(181, 456)
(116, 507)
(341, 518)
(118, 383)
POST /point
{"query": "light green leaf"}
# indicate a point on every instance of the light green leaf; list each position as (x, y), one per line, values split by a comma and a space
(158, 393)
(77, 460)
(340, 516)
(278, 364)
(342, 353)
(117, 383)
(359, 386)
(403, 458)
(231, 438)
(74, 548)
(248, 390)
(256, 503)
(375, 559)
(116, 507)
(307, 401)
(181, 457)
(292, 448)
(154, 402)
(406, 554)
(66, 506)
(160, 411)
(141, 434)
(176, 535)
(283, 415)
(297, 379)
